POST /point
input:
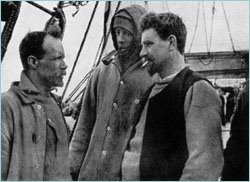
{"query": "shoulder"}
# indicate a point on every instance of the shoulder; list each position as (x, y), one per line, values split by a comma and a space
(8, 97)
(203, 94)
(203, 86)
(9, 104)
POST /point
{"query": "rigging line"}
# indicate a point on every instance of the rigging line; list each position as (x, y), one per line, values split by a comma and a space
(80, 50)
(106, 38)
(146, 5)
(93, 67)
(212, 23)
(82, 91)
(228, 26)
(204, 17)
(9, 28)
(196, 25)
(166, 4)
(41, 7)
(209, 62)
(98, 52)
(86, 76)
(79, 85)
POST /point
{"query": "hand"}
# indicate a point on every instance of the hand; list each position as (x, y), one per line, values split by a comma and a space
(71, 110)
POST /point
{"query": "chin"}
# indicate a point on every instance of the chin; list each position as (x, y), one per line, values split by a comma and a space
(58, 84)
(150, 70)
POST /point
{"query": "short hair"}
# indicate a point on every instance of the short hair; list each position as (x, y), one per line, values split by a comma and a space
(166, 24)
(32, 44)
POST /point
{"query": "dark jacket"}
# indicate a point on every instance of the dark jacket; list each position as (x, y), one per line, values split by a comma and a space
(177, 145)
(236, 154)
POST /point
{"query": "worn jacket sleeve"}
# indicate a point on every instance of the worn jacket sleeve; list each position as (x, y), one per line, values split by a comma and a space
(203, 134)
(6, 135)
(82, 134)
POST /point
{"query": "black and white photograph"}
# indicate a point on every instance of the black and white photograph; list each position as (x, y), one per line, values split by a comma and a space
(124, 90)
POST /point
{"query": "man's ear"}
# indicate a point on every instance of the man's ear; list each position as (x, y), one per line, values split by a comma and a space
(32, 62)
(172, 42)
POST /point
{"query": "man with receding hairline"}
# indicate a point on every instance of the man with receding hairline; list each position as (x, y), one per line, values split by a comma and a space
(34, 134)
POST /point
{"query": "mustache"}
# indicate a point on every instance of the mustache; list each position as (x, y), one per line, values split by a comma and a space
(147, 58)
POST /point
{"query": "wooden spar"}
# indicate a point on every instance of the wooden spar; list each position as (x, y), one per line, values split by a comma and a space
(220, 64)
(41, 7)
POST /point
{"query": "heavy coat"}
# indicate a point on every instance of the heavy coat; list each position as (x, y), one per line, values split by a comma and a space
(104, 127)
(23, 135)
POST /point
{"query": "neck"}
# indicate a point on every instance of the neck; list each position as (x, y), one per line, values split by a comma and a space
(44, 90)
(173, 66)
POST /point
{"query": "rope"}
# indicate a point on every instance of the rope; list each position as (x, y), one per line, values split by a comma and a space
(93, 67)
(204, 17)
(166, 4)
(196, 25)
(146, 5)
(98, 52)
(228, 26)
(78, 86)
(80, 50)
(212, 23)
(8, 29)
(206, 64)
(106, 38)
(85, 77)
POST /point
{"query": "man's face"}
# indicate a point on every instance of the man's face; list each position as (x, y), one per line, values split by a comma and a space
(52, 68)
(124, 39)
(155, 51)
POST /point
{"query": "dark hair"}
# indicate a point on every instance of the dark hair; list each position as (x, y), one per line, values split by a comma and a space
(32, 44)
(166, 24)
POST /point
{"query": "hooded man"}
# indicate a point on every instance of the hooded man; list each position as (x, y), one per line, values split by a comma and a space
(110, 100)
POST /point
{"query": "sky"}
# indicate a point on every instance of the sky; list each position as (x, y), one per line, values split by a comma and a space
(31, 19)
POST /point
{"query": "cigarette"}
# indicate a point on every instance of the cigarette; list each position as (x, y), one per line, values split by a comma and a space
(144, 64)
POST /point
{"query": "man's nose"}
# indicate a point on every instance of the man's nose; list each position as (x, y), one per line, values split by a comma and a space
(143, 52)
(64, 65)
(120, 38)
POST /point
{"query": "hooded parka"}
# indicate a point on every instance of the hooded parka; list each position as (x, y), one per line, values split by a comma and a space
(110, 99)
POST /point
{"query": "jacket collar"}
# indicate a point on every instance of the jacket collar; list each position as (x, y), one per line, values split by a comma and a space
(117, 63)
(27, 91)
(26, 85)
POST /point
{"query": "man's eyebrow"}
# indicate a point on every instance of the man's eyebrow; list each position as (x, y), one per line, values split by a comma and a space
(147, 41)
(58, 57)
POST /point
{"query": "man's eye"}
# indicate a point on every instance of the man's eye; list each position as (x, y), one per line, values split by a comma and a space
(147, 44)
(57, 59)
(128, 33)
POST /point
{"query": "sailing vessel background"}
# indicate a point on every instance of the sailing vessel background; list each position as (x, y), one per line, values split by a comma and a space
(217, 40)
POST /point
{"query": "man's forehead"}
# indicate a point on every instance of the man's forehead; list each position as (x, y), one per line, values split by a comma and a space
(149, 34)
(51, 42)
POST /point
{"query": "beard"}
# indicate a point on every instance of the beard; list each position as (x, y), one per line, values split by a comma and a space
(52, 79)
(151, 68)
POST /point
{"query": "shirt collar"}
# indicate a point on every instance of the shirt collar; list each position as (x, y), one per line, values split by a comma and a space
(26, 84)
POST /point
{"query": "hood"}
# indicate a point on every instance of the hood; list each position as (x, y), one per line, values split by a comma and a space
(133, 12)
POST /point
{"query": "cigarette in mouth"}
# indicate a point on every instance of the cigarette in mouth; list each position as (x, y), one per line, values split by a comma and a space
(144, 63)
